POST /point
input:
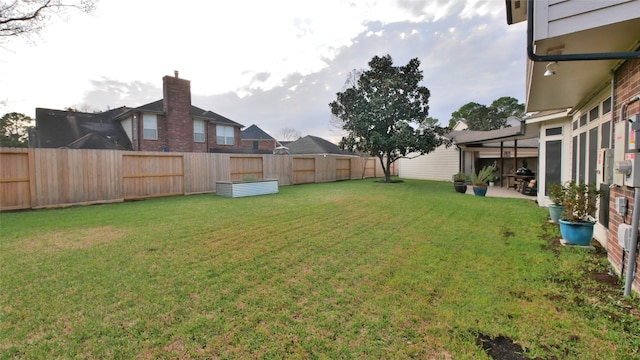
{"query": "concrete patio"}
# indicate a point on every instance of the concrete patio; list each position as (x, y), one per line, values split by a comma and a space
(497, 191)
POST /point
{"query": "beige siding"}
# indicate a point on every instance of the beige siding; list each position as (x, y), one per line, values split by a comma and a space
(560, 17)
(440, 164)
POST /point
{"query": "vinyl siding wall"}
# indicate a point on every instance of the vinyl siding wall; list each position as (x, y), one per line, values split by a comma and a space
(560, 17)
(440, 165)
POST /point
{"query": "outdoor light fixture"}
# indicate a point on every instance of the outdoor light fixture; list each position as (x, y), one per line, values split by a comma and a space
(550, 71)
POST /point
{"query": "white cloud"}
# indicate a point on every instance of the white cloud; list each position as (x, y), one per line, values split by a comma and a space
(274, 63)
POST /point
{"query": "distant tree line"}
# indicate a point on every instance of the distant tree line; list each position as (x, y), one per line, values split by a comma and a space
(492, 117)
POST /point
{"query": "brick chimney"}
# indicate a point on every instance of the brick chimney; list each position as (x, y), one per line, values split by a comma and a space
(177, 109)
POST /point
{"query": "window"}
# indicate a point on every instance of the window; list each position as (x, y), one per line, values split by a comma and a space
(198, 130)
(553, 131)
(594, 113)
(583, 120)
(606, 106)
(225, 135)
(150, 127)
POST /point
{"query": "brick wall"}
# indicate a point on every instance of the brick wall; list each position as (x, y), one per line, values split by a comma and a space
(152, 145)
(615, 252)
(177, 108)
(262, 144)
(211, 138)
(627, 85)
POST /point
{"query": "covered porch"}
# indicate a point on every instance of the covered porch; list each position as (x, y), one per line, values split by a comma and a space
(509, 149)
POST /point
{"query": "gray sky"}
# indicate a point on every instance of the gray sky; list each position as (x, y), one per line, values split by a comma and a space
(276, 64)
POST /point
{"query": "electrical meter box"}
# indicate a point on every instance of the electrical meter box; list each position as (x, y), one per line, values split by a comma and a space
(627, 152)
(605, 166)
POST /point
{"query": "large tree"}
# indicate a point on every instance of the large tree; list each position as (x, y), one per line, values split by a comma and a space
(492, 117)
(507, 106)
(27, 17)
(13, 129)
(386, 112)
(463, 113)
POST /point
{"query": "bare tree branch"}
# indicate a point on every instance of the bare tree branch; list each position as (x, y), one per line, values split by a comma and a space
(22, 18)
(289, 134)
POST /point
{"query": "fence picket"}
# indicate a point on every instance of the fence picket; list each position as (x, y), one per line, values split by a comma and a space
(43, 178)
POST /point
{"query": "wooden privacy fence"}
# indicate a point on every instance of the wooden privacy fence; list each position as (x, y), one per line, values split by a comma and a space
(41, 178)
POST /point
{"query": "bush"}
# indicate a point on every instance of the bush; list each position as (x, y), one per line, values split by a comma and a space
(580, 201)
(556, 193)
(459, 177)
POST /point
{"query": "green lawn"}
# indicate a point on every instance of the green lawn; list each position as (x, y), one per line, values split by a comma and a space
(353, 269)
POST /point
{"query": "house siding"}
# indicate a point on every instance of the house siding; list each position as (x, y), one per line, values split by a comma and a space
(561, 17)
(564, 160)
(627, 85)
(439, 165)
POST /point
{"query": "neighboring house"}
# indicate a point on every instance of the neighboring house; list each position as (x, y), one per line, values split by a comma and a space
(439, 164)
(169, 124)
(507, 147)
(472, 150)
(78, 130)
(313, 145)
(258, 140)
(583, 77)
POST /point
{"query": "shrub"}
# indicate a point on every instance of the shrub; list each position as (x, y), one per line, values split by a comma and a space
(459, 177)
(580, 201)
(556, 193)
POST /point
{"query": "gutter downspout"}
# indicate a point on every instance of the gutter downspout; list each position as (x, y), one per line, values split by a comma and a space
(631, 269)
(460, 159)
(569, 57)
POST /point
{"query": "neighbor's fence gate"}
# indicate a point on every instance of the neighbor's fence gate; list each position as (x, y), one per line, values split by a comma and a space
(41, 178)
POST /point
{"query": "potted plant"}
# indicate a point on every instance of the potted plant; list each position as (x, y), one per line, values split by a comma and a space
(460, 182)
(576, 222)
(496, 175)
(481, 179)
(556, 195)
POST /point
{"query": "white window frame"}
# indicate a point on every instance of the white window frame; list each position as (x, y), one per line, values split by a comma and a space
(150, 126)
(225, 135)
(198, 131)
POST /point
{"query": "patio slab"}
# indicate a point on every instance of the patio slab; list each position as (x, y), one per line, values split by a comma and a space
(497, 191)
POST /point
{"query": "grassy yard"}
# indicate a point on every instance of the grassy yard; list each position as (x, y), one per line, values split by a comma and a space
(353, 269)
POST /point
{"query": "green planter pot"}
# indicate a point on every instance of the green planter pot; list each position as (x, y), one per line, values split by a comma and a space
(576, 233)
(480, 190)
(555, 211)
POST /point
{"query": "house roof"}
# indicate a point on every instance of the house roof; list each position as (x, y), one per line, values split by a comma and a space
(158, 107)
(470, 138)
(253, 132)
(72, 129)
(548, 115)
(313, 145)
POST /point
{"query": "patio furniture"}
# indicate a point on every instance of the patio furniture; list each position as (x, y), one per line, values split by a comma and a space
(531, 188)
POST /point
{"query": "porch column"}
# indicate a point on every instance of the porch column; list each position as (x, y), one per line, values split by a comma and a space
(501, 163)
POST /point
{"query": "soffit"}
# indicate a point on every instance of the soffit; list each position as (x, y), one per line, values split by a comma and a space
(576, 80)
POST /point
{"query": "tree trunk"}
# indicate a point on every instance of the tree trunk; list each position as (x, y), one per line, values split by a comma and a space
(386, 168)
